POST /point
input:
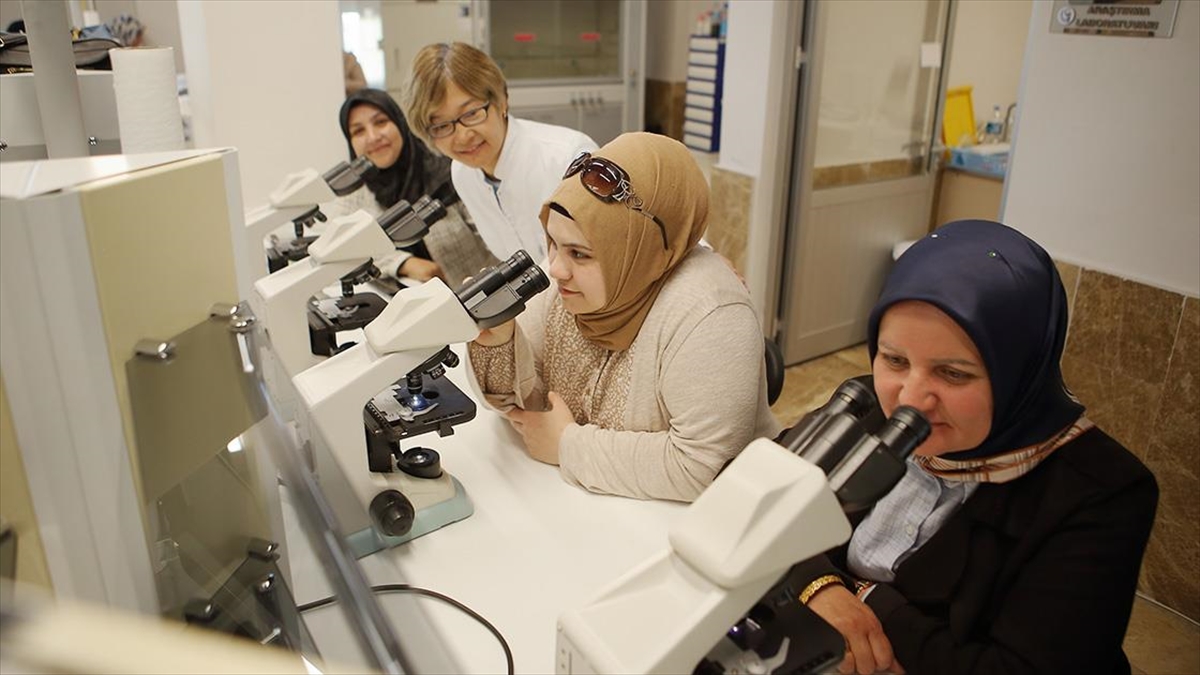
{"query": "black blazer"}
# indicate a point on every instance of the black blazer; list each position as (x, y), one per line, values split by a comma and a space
(1032, 576)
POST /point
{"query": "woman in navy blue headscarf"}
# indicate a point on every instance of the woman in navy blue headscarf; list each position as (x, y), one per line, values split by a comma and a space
(1014, 540)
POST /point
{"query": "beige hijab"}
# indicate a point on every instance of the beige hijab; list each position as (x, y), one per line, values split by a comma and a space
(627, 244)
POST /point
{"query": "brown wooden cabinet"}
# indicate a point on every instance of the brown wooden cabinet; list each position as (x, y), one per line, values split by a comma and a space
(962, 194)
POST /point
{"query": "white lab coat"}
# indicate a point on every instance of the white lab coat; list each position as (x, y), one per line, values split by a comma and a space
(531, 165)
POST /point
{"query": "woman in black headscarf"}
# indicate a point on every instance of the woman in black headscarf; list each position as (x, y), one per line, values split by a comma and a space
(374, 126)
(1014, 540)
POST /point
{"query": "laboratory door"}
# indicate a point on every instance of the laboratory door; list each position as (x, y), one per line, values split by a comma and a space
(863, 169)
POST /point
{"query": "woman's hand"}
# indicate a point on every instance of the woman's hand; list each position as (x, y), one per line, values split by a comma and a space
(867, 648)
(420, 269)
(543, 430)
(500, 335)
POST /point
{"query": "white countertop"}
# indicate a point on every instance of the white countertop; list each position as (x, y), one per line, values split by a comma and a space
(534, 547)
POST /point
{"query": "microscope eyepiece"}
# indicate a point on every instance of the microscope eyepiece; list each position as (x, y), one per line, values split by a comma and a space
(399, 217)
(492, 278)
(346, 178)
(853, 401)
(499, 293)
(904, 431)
(853, 397)
(407, 223)
(363, 167)
(531, 282)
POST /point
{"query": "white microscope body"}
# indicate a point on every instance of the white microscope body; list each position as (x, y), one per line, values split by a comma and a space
(299, 193)
(418, 324)
(298, 197)
(772, 507)
(768, 510)
(405, 342)
(280, 299)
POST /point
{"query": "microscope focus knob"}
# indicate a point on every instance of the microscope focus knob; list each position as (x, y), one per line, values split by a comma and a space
(392, 513)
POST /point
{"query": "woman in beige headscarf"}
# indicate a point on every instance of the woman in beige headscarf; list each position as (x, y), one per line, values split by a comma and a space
(642, 373)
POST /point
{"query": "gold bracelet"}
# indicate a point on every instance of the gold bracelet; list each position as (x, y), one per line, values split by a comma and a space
(817, 584)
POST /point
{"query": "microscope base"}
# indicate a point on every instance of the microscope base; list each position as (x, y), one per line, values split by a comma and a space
(429, 518)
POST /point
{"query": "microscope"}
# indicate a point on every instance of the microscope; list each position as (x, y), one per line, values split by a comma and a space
(341, 180)
(366, 399)
(711, 602)
(404, 224)
(302, 323)
(297, 201)
(345, 253)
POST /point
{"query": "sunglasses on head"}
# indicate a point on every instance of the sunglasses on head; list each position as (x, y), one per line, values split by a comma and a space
(609, 182)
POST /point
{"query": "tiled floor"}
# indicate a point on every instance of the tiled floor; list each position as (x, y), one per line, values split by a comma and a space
(1157, 642)
(810, 384)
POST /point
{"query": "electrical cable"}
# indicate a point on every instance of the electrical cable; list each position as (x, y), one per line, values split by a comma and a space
(417, 590)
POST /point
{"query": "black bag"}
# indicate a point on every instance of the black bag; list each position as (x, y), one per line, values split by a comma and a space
(91, 53)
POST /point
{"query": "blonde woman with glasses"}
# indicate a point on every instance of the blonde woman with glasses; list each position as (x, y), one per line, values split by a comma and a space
(504, 168)
(642, 374)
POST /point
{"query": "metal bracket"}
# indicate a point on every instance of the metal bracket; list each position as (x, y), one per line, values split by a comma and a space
(154, 349)
(241, 319)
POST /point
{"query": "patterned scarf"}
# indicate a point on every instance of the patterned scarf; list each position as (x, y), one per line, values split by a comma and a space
(1005, 466)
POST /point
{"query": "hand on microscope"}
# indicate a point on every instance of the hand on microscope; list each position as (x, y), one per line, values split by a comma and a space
(498, 335)
(868, 649)
(420, 269)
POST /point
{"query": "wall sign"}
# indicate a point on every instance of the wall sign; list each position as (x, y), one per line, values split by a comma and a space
(1126, 18)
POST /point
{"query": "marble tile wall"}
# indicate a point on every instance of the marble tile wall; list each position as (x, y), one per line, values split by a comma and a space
(1133, 358)
(867, 172)
(664, 107)
(729, 215)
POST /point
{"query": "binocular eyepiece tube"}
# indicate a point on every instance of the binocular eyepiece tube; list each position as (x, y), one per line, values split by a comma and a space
(348, 177)
(862, 453)
(499, 293)
(407, 223)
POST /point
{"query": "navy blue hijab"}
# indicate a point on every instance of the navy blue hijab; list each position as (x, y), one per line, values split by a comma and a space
(1004, 291)
(416, 172)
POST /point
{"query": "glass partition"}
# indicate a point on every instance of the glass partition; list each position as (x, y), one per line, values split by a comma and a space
(559, 39)
(878, 90)
(212, 454)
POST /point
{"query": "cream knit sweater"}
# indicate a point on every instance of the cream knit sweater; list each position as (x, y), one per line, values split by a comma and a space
(659, 419)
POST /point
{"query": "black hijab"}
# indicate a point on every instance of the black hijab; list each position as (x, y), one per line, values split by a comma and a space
(1005, 292)
(416, 172)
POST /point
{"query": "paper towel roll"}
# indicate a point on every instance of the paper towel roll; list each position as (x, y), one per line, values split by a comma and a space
(148, 117)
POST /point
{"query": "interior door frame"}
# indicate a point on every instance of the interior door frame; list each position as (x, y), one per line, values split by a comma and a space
(806, 35)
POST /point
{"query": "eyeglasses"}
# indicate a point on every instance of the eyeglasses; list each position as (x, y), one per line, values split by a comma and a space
(609, 182)
(471, 118)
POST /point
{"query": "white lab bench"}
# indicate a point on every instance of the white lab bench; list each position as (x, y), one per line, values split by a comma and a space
(534, 547)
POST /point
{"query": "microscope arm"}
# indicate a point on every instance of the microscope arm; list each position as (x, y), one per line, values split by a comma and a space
(299, 193)
(280, 299)
(406, 224)
(418, 323)
(768, 510)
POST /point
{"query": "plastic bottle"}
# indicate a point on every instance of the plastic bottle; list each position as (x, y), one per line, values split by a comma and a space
(993, 131)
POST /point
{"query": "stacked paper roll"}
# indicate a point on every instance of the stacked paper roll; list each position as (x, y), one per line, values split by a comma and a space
(148, 117)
